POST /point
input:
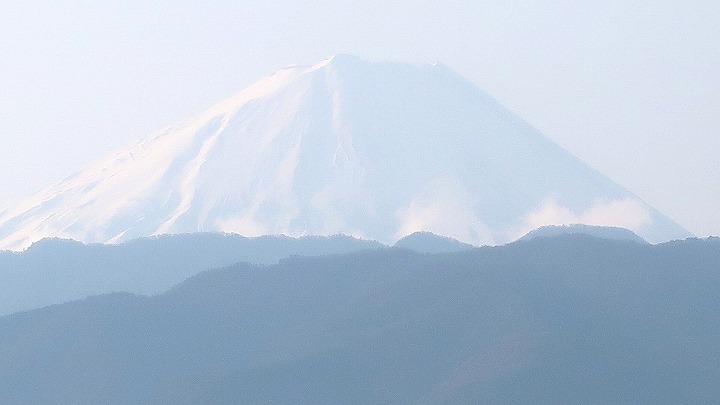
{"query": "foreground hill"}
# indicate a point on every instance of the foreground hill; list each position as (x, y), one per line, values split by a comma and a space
(427, 242)
(603, 232)
(54, 271)
(571, 319)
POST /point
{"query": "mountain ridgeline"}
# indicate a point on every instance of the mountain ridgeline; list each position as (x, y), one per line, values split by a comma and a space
(54, 271)
(565, 319)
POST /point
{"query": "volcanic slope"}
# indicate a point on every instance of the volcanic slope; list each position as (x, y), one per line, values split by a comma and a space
(373, 150)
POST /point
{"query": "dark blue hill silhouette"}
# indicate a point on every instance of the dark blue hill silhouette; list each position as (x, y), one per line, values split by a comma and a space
(570, 319)
(53, 271)
(428, 242)
(604, 232)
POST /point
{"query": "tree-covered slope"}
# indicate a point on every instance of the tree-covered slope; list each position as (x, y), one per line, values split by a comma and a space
(54, 271)
(571, 319)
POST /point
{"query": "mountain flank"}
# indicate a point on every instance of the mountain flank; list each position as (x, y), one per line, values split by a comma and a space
(373, 150)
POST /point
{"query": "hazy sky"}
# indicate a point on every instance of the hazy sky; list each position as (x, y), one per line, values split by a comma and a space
(631, 87)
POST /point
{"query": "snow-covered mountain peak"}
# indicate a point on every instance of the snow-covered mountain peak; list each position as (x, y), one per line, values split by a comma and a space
(374, 150)
(342, 59)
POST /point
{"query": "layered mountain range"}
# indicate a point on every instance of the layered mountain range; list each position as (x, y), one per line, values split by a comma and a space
(372, 150)
(570, 319)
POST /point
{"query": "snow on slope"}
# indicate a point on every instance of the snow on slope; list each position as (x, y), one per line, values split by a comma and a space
(345, 146)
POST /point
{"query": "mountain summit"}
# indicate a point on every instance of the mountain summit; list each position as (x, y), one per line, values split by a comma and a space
(374, 150)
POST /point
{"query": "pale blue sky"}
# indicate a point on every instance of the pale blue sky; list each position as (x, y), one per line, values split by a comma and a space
(631, 87)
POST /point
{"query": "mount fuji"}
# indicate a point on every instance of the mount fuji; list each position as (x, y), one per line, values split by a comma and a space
(373, 150)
